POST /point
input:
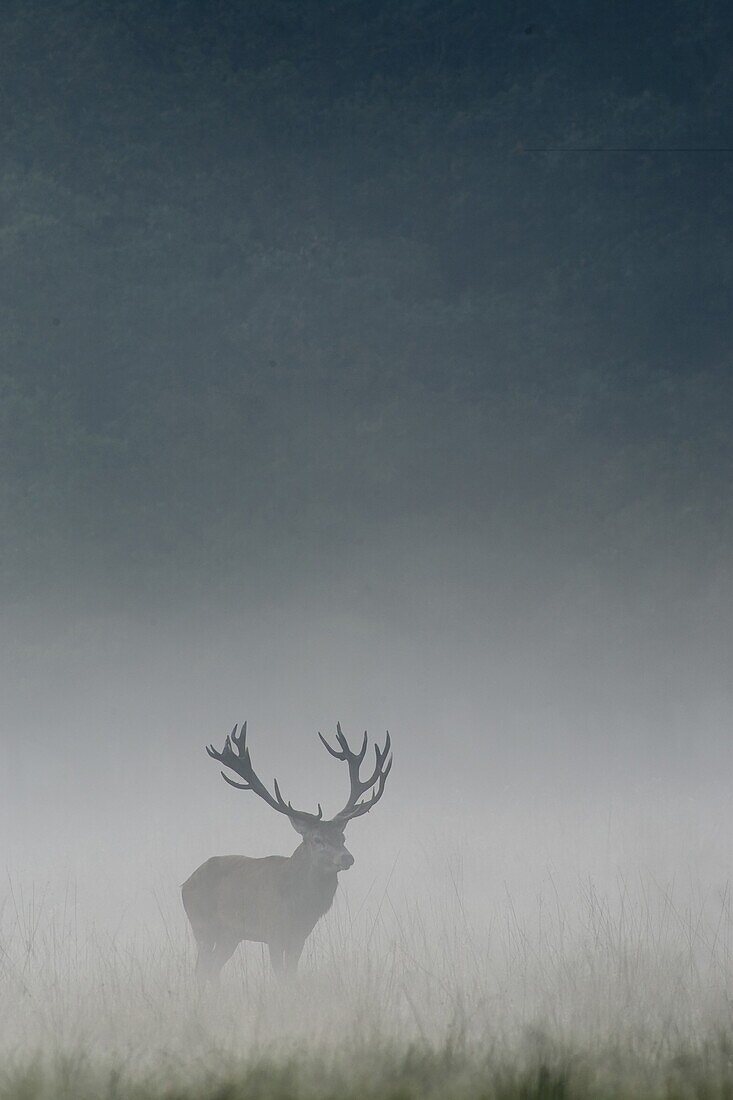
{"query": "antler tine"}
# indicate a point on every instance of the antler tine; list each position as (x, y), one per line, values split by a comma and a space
(241, 740)
(288, 806)
(233, 783)
(241, 763)
(346, 752)
(365, 806)
(278, 796)
(359, 787)
(226, 751)
(380, 757)
(342, 741)
(334, 752)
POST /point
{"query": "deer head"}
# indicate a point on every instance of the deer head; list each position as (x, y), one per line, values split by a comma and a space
(323, 840)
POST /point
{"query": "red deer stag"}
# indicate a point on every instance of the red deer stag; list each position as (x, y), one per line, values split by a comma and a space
(277, 900)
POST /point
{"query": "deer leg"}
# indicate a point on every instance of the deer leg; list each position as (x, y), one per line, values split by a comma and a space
(212, 958)
(205, 941)
(203, 963)
(292, 954)
(277, 959)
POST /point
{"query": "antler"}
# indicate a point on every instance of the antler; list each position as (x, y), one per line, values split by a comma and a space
(240, 763)
(353, 807)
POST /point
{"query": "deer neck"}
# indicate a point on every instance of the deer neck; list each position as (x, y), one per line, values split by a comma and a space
(309, 875)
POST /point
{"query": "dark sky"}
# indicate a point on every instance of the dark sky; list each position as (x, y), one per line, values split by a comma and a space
(323, 394)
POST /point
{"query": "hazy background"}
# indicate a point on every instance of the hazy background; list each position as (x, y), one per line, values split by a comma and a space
(323, 396)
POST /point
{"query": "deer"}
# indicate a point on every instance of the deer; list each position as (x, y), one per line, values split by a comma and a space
(277, 900)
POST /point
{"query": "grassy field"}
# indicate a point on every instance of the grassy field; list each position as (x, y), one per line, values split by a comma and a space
(622, 993)
(542, 1070)
(414, 1072)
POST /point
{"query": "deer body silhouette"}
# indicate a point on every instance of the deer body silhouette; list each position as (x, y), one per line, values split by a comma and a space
(277, 900)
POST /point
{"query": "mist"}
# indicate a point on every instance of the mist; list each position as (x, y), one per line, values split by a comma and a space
(367, 363)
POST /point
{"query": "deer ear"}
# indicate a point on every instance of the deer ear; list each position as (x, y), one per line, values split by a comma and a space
(301, 827)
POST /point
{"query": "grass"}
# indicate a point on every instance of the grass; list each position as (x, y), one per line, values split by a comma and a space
(615, 993)
(408, 1074)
